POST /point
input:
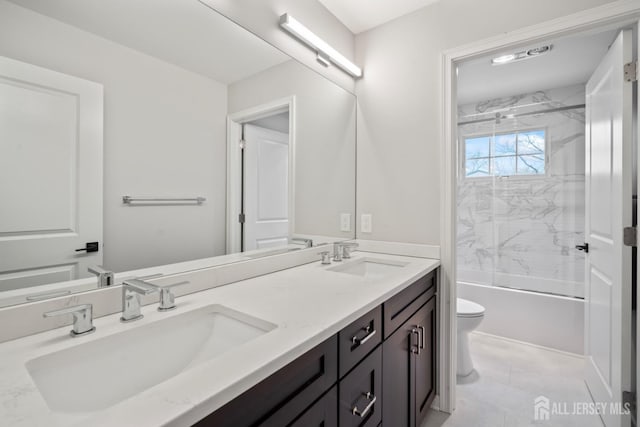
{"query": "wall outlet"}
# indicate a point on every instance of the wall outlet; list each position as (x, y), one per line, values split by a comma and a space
(345, 222)
(366, 223)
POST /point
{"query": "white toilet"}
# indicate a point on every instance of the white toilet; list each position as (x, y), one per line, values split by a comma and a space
(470, 314)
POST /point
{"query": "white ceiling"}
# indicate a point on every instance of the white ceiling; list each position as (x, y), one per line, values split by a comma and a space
(362, 15)
(185, 33)
(571, 61)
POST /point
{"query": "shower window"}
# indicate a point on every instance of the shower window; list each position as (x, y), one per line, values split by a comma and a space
(505, 154)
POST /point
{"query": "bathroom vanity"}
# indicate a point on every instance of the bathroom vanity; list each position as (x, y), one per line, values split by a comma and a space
(381, 368)
(352, 343)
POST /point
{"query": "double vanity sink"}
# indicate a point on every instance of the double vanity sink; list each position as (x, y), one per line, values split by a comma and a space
(174, 368)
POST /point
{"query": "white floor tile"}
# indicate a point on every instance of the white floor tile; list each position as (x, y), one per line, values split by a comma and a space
(508, 378)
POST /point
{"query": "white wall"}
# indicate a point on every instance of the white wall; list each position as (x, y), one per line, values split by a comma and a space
(262, 18)
(399, 97)
(325, 151)
(164, 135)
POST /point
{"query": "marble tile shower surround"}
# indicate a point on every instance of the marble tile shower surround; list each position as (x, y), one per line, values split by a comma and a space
(520, 231)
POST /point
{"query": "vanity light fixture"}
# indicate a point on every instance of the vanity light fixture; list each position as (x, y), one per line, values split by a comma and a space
(325, 53)
(518, 56)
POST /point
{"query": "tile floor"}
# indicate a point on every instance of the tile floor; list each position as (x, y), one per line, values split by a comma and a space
(509, 377)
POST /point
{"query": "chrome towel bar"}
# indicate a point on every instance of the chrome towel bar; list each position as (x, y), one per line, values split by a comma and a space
(128, 200)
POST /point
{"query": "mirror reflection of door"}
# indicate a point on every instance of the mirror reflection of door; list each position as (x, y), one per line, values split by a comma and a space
(50, 175)
(266, 182)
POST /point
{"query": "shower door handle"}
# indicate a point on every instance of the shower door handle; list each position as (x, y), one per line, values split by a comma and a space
(584, 248)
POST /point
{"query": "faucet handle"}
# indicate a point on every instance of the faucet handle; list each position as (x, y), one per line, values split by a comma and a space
(167, 298)
(139, 286)
(326, 257)
(105, 277)
(82, 318)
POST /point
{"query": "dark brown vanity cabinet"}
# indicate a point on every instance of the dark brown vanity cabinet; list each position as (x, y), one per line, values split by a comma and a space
(360, 393)
(285, 396)
(409, 360)
(380, 368)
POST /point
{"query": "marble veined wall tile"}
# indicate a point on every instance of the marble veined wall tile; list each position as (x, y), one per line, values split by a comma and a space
(516, 227)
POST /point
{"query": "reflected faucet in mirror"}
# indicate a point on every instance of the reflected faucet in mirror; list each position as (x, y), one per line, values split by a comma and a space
(105, 277)
(308, 243)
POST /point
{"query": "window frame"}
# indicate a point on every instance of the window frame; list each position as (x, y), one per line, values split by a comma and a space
(463, 156)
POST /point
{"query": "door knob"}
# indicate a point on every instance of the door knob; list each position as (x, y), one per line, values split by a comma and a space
(89, 247)
(584, 247)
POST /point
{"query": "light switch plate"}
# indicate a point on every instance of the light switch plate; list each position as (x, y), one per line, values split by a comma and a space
(366, 223)
(345, 222)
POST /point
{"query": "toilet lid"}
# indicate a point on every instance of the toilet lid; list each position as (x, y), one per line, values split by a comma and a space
(468, 308)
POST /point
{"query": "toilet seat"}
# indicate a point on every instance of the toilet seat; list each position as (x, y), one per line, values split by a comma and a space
(468, 308)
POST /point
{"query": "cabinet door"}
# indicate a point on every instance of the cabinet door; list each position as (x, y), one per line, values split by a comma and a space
(396, 378)
(409, 369)
(360, 393)
(324, 413)
(425, 360)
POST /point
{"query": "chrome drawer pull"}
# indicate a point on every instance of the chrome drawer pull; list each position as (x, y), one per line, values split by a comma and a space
(369, 396)
(415, 331)
(421, 336)
(369, 333)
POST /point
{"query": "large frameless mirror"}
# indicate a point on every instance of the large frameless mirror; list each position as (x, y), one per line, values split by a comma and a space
(136, 134)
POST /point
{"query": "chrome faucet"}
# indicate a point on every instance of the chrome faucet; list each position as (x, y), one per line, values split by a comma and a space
(132, 289)
(337, 252)
(105, 277)
(308, 243)
(82, 318)
(347, 248)
(342, 250)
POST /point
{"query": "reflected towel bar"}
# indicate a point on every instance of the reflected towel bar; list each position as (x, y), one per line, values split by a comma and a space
(128, 200)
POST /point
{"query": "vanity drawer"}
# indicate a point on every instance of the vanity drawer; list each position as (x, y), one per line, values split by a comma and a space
(323, 413)
(360, 393)
(359, 339)
(401, 306)
(282, 397)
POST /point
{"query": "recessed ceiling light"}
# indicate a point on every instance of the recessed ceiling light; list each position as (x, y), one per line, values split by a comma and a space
(518, 56)
(503, 59)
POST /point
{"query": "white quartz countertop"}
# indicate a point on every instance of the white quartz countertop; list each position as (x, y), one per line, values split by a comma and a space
(307, 303)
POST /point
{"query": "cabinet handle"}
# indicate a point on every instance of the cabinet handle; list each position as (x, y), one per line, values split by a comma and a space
(369, 333)
(415, 331)
(421, 336)
(371, 398)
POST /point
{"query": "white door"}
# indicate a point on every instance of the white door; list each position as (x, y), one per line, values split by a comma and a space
(50, 175)
(266, 188)
(609, 139)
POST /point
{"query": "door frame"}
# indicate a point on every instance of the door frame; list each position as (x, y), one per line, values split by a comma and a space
(609, 16)
(234, 168)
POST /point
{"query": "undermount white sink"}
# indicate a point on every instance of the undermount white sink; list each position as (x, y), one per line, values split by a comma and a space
(369, 268)
(98, 374)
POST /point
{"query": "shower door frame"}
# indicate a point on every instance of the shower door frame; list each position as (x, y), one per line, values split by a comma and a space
(609, 16)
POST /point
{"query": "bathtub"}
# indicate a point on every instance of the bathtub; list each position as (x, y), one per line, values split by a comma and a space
(542, 319)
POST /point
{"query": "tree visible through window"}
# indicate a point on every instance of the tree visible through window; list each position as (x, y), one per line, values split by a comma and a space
(505, 154)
